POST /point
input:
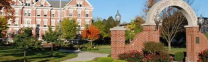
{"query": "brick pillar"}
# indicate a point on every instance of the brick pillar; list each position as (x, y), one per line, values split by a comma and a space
(152, 33)
(191, 51)
(117, 41)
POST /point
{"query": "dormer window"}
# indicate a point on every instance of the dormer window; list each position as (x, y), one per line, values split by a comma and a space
(79, 4)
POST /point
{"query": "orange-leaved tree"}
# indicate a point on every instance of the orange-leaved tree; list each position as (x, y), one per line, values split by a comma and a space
(91, 33)
(5, 5)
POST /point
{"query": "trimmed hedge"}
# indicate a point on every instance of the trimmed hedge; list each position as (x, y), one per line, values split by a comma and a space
(179, 56)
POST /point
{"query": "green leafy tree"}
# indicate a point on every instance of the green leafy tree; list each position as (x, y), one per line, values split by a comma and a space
(134, 28)
(3, 25)
(25, 40)
(51, 37)
(101, 26)
(69, 29)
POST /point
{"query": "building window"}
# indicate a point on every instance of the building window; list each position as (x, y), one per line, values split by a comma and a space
(79, 13)
(45, 13)
(16, 11)
(38, 12)
(16, 22)
(79, 4)
(79, 22)
(45, 22)
(9, 22)
(87, 13)
(38, 21)
(87, 21)
(27, 4)
(53, 13)
(52, 23)
(70, 13)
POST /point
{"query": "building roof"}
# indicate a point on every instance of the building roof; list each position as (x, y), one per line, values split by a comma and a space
(56, 4)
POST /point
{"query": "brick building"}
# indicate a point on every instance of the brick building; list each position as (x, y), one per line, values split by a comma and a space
(30, 13)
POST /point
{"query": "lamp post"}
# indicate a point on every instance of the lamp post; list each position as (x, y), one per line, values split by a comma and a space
(78, 37)
(118, 18)
(60, 16)
(37, 31)
(157, 21)
(201, 23)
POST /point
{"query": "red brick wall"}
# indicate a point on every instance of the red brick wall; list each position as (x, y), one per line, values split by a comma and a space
(150, 34)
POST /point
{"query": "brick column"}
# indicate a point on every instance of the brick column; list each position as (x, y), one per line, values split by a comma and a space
(191, 52)
(117, 41)
(152, 33)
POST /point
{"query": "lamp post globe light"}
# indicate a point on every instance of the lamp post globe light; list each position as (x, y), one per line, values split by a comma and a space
(200, 22)
(157, 21)
(118, 18)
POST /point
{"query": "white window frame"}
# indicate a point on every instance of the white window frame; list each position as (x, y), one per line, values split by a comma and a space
(9, 22)
(79, 13)
(53, 22)
(16, 21)
(45, 22)
(79, 22)
(70, 13)
(29, 12)
(53, 13)
(87, 12)
(25, 14)
(38, 12)
(16, 12)
(45, 13)
(38, 21)
(87, 21)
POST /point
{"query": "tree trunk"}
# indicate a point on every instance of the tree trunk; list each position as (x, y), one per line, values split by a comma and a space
(169, 46)
(24, 54)
(52, 49)
(91, 43)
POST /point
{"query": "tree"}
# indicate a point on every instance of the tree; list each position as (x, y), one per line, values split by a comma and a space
(134, 28)
(3, 25)
(101, 26)
(6, 6)
(25, 40)
(51, 37)
(92, 33)
(173, 21)
(69, 29)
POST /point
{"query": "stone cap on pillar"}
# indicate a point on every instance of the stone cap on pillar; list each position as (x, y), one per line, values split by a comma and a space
(117, 28)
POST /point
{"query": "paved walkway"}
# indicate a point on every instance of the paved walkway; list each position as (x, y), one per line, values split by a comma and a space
(86, 56)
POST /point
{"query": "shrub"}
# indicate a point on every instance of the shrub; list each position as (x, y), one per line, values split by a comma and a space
(203, 56)
(155, 52)
(153, 47)
(179, 56)
(109, 55)
(105, 59)
(132, 56)
(119, 61)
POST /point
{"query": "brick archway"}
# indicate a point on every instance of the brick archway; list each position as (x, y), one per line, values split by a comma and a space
(195, 40)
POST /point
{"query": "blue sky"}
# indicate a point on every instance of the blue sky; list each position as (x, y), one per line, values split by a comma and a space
(129, 9)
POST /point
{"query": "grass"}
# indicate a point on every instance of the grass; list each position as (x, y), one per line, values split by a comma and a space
(102, 49)
(9, 54)
(175, 50)
(107, 49)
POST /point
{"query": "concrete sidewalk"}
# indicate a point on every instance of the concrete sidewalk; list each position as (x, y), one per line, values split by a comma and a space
(86, 56)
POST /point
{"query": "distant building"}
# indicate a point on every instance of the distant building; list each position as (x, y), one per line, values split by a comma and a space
(205, 26)
(30, 13)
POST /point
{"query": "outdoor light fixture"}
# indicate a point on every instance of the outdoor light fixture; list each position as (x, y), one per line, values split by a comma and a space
(118, 18)
(37, 31)
(200, 22)
(157, 21)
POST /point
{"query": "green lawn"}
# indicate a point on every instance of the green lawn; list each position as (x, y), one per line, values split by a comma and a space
(9, 54)
(175, 50)
(102, 49)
